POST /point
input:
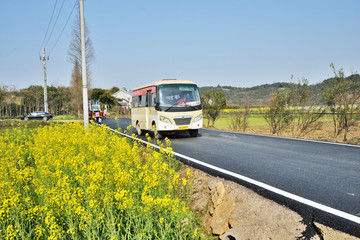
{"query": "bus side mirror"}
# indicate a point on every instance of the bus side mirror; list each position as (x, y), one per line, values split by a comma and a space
(156, 103)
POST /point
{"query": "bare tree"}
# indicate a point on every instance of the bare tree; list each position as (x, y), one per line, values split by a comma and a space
(277, 113)
(342, 97)
(2, 100)
(76, 89)
(305, 110)
(75, 58)
(239, 120)
(75, 48)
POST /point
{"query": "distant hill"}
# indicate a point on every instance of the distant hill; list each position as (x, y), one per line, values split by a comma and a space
(259, 95)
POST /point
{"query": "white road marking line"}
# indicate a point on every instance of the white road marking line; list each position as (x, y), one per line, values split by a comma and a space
(295, 139)
(308, 202)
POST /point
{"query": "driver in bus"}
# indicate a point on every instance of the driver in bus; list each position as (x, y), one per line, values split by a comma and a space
(184, 99)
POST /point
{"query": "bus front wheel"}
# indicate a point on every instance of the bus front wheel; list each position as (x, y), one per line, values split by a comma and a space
(194, 132)
(157, 135)
(138, 129)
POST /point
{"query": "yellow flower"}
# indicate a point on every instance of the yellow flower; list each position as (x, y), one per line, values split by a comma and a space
(71, 184)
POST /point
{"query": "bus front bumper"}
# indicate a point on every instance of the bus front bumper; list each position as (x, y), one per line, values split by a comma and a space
(162, 126)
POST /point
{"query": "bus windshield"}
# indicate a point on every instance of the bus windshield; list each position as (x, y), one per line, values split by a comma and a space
(179, 95)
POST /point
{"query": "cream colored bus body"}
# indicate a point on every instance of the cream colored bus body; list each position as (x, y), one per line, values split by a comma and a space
(167, 119)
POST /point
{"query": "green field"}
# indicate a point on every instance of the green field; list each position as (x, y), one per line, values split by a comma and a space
(65, 117)
(223, 121)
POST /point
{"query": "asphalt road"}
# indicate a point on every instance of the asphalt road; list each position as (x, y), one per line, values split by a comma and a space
(321, 172)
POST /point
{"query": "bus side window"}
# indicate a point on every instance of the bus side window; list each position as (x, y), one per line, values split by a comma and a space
(135, 102)
(142, 101)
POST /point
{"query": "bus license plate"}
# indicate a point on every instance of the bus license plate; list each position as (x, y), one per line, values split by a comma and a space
(183, 128)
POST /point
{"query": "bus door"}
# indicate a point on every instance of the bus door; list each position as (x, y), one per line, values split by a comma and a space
(147, 113)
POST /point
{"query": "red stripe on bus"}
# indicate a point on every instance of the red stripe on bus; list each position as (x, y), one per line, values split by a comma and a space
(143, 91)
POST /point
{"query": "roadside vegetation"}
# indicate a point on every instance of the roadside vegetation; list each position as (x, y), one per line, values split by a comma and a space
(323, 132)
(213, 102)
(65, 117)
(58, 181)
(297, 109)
(342, 97)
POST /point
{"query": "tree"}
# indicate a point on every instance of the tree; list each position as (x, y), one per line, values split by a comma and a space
(58, 98)
(106, 98)
(213, 103)
(2, 99)
(239, 120)
(76, 90)
(96, 93)
(2, 94)
(114, 90)
(277, 114)
(306, 112)
(33, 98)
(64, 93)
(342, 97)
(75, 57)
(75, 48)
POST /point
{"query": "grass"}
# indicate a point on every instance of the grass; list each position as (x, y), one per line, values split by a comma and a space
(65, 117)
(254, 120)
(9, 124)
(222, 121)
(32, 123)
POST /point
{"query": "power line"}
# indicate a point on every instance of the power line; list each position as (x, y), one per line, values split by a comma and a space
(57, 18)
(52, 14)
(64, 27)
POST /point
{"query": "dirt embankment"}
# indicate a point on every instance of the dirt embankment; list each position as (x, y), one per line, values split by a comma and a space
(229, 211)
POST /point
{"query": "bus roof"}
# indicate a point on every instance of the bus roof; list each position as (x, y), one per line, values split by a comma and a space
(164, 81)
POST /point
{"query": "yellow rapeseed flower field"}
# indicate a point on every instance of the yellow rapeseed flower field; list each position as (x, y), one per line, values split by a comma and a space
(62, 182)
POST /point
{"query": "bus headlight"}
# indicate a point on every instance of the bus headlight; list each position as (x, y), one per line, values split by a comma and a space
(198, 118)
(165, 120)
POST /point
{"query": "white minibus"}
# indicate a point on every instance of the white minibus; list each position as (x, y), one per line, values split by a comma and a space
(167, 106)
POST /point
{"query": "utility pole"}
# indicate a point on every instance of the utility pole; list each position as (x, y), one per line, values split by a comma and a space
(83, 65)
(43, 58)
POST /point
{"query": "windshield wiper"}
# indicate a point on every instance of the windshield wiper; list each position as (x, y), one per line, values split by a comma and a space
(193, 107)
(170, 107)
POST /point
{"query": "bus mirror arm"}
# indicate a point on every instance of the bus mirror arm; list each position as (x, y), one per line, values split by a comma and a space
(156, 101)
(157, 106)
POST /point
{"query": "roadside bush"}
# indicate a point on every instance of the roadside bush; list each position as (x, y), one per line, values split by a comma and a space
(277, 114)
(306, 113)
(239, 120)
(342, 97)
(213, 103)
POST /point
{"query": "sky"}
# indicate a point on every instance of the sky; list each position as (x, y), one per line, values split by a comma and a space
(240, 43)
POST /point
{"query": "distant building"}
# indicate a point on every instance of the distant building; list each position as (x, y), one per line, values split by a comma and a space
(124, 98)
